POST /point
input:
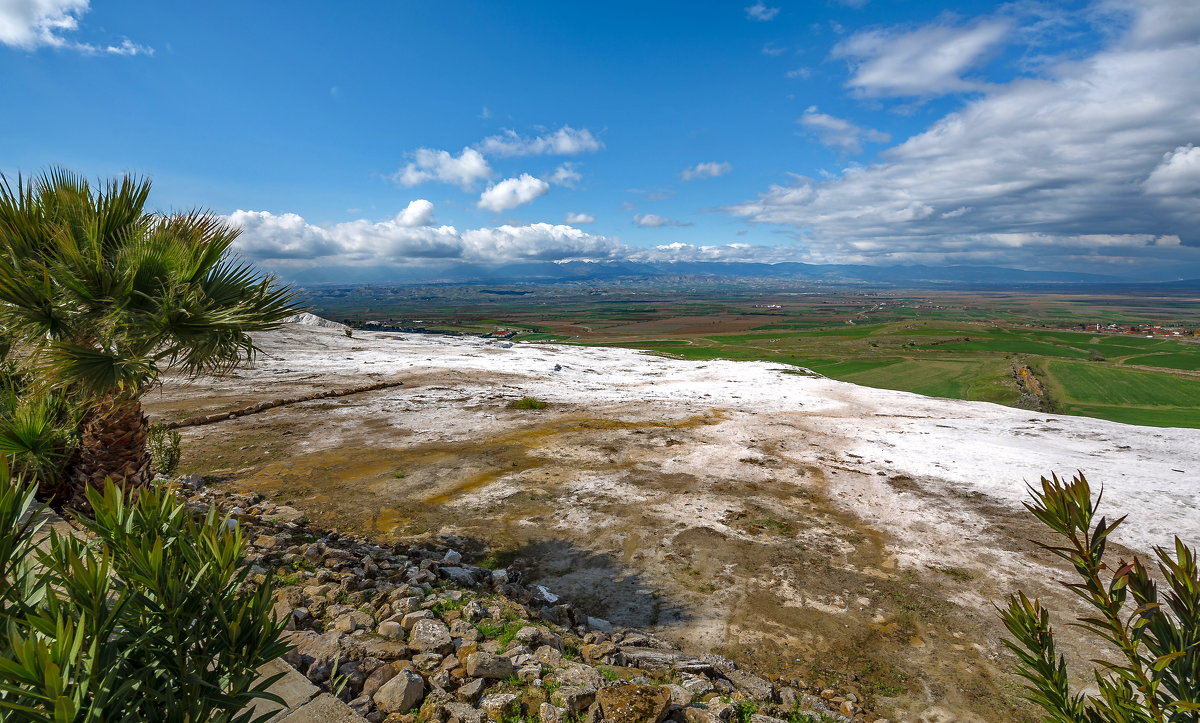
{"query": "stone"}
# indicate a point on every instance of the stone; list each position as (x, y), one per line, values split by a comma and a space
(680, 696)
(411, 619)
(430, 636)
(760, 718)
(402, 693)
(381, 675)
(700, 715)
(633, 703)
(487, 665)
(427, 662)
(551, 714)
(463, 713)
(452, 557)
(458, 576)
(580, 675)
(391, 630)
(749, 683)
(700, 684)
(600, 624)
(323, 709)
(406, 605)
(470, 692)
(548, 655)
(529, 673)
(352, 621)
(573, 698)
(498, 706)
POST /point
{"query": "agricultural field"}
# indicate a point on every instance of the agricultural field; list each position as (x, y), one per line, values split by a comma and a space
(1049, 352)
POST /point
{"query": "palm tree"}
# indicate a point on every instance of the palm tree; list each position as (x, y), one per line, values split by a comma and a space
(103, 297)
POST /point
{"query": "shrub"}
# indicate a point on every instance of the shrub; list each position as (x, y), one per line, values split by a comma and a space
(1154, 671)
(164, 450)
(152, 621)
(527, 403)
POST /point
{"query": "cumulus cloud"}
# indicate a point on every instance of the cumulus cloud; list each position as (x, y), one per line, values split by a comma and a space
(838, 132)
(579, 218)
(1091, 162)
(288, 241)
(31, 24)
(762, 13)
(652, 220)
(928, 61)
(417, 213)
(429, 164)
(512, 192)
(565, 175)
(711, 169)
(1177, 175)
(727, 253)
(565, 141)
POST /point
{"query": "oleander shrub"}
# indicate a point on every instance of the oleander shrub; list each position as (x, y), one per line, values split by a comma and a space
(1152, 674)
(164, 445)
(154, 619)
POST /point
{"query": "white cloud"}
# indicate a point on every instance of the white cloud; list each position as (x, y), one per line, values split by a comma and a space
(800, 72)
(772, 49)
(711, 169)
(288, 240)
(1177, 175)
(31, 24)
(512, 192)
(580, 218)
(565, 175)
(762, 13)
(924, 62)
(728, 253)
(1087, 162)
(838, 132)
(429, 164)
(652, 220)
(417, 213)
(566, 141)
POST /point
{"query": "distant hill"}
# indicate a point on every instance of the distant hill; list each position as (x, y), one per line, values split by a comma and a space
(548, 272)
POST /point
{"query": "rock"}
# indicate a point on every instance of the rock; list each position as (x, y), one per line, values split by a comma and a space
(430, 636)
(381, 675)
(458, 576)
(268, 541)
(470, 692)
(759, 718)
(427, 662)
(700, 715)
(754, 686)
(403, 692)
(633, 703)
(411, 619)
(406, 605)
(352, 621)
(573, 698)
(391, 630)
(499, 706)
(452, 557)
(699, 684)
(680, 696)
(548, 655)
(463, 713)
(551, 714)
(487, 665)
(600, 624)
(579, 674)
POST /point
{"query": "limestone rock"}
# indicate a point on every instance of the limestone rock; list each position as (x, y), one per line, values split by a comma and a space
(633, 703)
(430, 636)
(499, 706)
(401, 693)
(487, 665)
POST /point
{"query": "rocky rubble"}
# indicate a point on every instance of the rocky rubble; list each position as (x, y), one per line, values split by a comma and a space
(407, 633)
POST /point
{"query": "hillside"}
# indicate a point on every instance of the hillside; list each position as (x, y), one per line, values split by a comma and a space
(799, 525)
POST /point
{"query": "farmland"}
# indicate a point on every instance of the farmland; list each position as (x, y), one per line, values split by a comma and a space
(1050, 352)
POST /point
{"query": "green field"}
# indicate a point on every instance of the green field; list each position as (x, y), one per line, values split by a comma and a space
(1082, 373)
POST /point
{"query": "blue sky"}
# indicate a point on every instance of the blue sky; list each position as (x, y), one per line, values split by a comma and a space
(354, 136)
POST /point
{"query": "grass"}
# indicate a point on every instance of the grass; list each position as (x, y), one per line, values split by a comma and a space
(527, 403)
(1109, 385)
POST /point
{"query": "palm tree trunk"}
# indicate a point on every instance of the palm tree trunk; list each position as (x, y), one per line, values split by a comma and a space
(112, 445)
